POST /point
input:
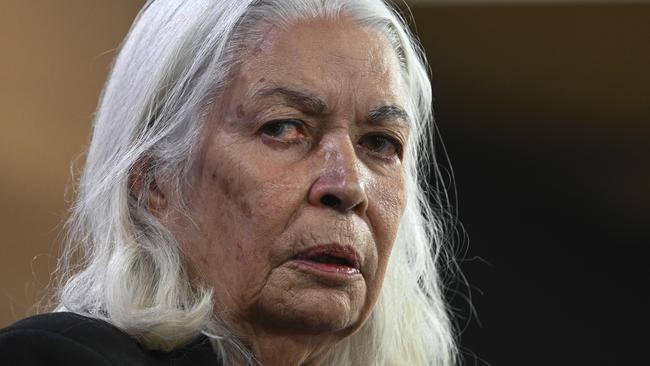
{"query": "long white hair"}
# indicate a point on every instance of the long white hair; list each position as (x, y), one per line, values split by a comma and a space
(121, 265)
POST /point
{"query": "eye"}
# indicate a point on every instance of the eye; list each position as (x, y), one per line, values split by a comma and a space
(381, 145)
(289, 130)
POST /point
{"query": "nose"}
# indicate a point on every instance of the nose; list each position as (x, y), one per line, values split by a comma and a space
(339, 184)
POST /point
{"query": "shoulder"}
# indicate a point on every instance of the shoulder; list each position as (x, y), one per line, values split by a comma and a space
(67, 338)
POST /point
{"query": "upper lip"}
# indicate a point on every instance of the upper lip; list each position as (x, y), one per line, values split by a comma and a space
(346, 253)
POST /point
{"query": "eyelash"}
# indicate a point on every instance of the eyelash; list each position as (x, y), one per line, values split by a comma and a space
(397, 146)
(266, 129)
(270, 130)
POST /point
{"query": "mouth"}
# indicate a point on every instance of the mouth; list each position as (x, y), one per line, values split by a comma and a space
(331, 258)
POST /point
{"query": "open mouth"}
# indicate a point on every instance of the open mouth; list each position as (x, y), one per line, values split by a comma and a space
(325, 259)
(331, 258)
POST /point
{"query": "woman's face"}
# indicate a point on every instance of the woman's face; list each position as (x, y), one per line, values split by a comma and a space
(298, 182)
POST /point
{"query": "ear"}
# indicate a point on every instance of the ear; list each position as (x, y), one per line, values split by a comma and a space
(145, 184)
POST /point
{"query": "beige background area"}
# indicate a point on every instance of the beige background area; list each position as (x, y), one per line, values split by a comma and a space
(55, 56)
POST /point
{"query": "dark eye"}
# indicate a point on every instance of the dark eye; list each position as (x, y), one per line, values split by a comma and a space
(283, 130)
(382, 145)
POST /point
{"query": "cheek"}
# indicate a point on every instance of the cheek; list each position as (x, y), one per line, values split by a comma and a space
(240, 208)
(257, 201)
(389, 202)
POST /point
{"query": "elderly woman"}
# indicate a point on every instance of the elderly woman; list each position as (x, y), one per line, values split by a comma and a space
(250, 197)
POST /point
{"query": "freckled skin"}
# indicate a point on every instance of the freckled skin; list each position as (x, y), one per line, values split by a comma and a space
(255, 203)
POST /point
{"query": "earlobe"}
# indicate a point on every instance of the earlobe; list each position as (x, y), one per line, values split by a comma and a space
(156, 199)
(145, 185)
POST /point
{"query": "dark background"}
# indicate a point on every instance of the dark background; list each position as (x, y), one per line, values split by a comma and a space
(545, 112)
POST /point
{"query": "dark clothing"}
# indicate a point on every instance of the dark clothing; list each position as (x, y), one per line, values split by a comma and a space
(71, 339)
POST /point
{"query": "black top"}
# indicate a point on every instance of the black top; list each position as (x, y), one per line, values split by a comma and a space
(71, 339)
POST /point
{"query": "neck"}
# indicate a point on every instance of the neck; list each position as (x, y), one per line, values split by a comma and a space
(290, 350)
(282, 349)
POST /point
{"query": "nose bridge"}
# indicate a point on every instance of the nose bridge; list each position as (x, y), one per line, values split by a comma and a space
(340, 158)
(339, 183)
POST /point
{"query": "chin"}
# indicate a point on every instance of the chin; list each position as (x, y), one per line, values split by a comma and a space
(313, 311)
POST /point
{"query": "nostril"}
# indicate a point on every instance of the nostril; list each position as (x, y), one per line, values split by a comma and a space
(330, 201)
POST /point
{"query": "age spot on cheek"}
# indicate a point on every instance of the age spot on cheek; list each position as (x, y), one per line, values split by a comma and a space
(246, 209)
(240, 111)
(240, 250)
(224, 183)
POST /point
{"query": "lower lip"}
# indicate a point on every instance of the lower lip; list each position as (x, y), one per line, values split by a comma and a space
(328, 269)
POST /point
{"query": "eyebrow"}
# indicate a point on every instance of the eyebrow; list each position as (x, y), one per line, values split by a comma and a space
(312, 104)
(388, 113)
(304, 101)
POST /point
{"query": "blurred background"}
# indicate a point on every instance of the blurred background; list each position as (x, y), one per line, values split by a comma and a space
(544, 107)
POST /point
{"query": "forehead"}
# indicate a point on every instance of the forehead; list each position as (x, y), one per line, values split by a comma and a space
(332, 58)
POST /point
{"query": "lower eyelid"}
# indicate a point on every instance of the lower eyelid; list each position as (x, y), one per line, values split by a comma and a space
(280, 143)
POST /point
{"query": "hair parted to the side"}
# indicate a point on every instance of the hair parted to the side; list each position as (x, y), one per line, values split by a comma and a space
(121, 265)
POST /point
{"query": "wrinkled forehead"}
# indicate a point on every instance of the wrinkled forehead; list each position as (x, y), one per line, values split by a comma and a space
(338, 59)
